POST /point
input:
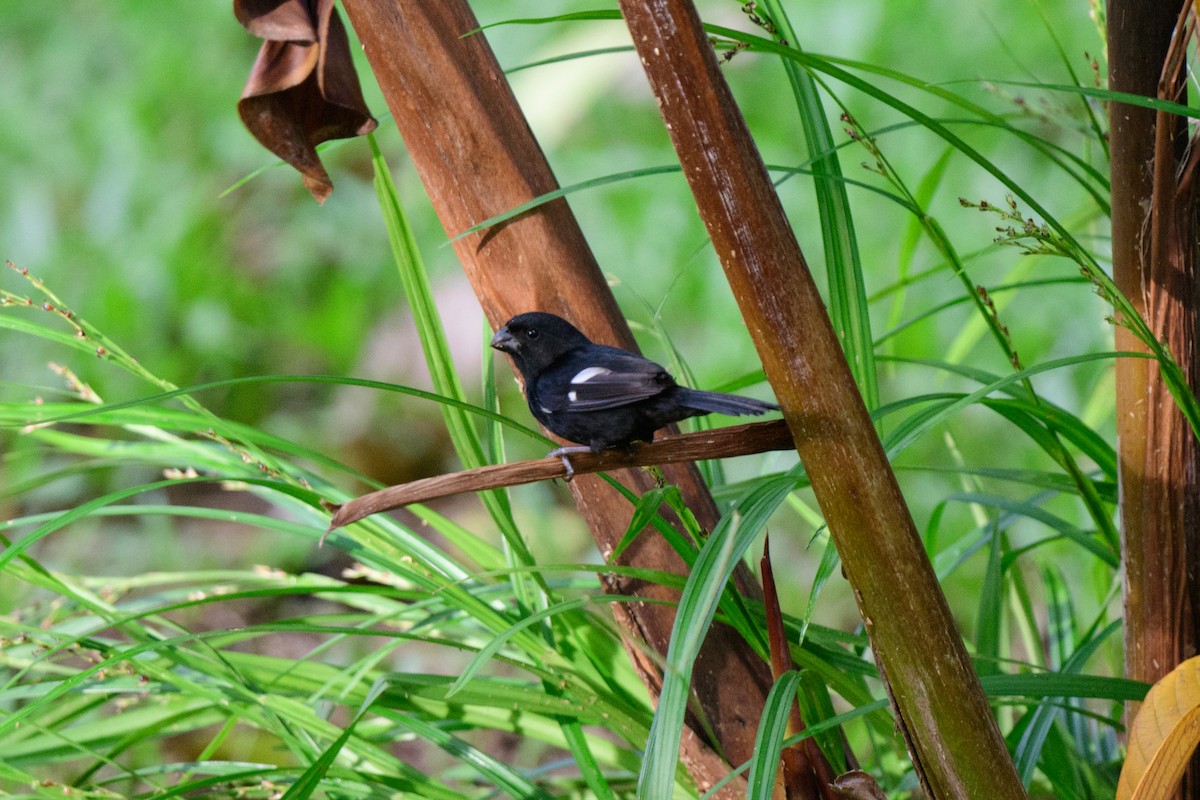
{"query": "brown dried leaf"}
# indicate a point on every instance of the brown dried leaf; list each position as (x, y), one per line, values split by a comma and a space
(277, 20)
(857, 785)
(302, 89)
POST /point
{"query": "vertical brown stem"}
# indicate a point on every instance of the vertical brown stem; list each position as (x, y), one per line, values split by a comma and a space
(1154, 235)
(941, 709)
(477, 157)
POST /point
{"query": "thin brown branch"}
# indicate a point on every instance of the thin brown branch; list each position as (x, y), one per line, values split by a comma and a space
(738, 440)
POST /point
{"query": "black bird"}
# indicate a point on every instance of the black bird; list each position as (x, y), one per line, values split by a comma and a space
(599, 396)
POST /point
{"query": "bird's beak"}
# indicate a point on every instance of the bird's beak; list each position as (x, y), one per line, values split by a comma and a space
(504, 341)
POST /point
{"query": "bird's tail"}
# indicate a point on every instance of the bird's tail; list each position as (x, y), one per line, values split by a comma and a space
(720, 403)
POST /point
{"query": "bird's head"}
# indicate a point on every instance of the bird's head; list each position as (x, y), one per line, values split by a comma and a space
(536, 339)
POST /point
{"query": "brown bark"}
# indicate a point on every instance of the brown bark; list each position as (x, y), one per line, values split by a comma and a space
(477, 157)
(1153, 244)
(952, 736)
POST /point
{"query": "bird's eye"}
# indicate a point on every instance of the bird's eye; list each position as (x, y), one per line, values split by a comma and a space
(532, 333)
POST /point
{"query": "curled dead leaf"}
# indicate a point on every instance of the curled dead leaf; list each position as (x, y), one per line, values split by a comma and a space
(302, 89)
(1163, 735)
(857, 785)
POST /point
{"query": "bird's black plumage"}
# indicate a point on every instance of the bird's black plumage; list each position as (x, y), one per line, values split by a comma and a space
(601, 396)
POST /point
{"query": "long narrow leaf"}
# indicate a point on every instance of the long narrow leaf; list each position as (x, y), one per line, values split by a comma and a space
(701, 596)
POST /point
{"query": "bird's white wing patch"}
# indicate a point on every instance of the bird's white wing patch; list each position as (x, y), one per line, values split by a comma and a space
(585, 375)
(624, 379)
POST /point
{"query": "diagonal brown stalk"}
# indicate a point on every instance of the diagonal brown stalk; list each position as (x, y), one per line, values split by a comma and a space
(951, 734)
(477, 157)
(1154, 260)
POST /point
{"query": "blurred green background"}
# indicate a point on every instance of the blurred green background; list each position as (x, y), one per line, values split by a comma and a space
(120, 136)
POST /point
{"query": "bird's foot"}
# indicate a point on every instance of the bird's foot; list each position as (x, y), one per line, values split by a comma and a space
(563, 452)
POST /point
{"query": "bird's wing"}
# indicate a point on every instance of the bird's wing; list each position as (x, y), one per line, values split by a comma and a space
(614, 380)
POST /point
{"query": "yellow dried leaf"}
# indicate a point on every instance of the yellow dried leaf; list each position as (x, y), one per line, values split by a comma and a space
(1163, 735)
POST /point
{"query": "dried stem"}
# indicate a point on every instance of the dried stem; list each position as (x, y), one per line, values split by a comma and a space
(738, 440)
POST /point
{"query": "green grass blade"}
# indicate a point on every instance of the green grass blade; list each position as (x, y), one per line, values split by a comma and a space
(772, 730)
(310, 780)
(466, 439)
(848, 307)
(701, 596)
(1028, 751)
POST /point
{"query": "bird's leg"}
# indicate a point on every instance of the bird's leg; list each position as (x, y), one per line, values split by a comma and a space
(563, 452)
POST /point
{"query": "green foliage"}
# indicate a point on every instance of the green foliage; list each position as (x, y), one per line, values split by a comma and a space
(470, 649)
